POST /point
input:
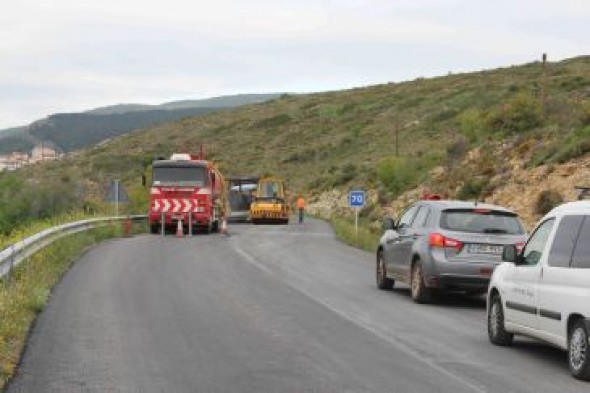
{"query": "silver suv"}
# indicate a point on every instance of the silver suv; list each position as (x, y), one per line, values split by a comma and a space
(445, 245)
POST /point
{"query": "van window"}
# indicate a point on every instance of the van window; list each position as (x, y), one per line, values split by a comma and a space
(581, 257)
(533, 250)
(564, 241)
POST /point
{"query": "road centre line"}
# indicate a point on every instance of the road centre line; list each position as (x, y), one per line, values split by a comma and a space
(359, 322)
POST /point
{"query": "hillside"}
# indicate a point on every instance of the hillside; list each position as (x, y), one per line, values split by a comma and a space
(334, 140)
(73, 131)
(215, 102)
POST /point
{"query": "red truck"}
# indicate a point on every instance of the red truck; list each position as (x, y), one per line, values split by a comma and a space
(188, 189)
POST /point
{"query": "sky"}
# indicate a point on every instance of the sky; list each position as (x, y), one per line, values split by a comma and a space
(75, 55)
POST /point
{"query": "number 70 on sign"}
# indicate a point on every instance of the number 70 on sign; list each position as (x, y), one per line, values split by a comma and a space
(356, 198)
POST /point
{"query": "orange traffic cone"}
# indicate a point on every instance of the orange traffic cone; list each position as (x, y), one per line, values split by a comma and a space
(179, 230)
(127, 227)
(224, 226)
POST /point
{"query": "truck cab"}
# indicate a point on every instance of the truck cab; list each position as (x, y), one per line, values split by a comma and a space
(188, 189)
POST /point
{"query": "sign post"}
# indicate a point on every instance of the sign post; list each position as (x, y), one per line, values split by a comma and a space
(356, 200)
(117, 194)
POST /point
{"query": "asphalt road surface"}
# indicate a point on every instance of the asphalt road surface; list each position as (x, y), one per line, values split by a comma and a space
(267, 309)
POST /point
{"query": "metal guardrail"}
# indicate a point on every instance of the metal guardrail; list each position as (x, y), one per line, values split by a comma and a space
(18, 252)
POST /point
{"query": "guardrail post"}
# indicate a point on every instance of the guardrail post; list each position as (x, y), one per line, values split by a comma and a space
(190, 224)
(163, 229)
(10, 264)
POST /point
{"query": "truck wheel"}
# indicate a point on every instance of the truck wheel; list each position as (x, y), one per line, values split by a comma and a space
(209, 228)
(496, 330)
(154, 229)
(420, 293)
(578, 354)
(383, 282)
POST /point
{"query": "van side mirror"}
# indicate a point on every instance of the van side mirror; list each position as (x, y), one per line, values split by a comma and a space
(510, 254)
(388, 224)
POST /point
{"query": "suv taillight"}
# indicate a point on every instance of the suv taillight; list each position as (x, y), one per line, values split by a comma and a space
(519, 246)
(438, 240)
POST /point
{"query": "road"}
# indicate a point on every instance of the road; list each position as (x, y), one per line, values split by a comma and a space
(267, 309)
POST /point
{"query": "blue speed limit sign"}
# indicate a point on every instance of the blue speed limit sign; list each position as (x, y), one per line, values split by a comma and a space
(356, 198)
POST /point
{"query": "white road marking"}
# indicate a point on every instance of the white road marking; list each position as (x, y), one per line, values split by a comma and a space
(354, 319)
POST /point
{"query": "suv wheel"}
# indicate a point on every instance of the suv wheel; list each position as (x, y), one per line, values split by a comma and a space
(578, 351)
(496, 331)
(383, 282)
(420, 293)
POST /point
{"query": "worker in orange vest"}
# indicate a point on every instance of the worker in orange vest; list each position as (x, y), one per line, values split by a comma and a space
(301, 208)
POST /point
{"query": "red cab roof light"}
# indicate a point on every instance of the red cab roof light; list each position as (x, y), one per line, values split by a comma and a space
(427, 196)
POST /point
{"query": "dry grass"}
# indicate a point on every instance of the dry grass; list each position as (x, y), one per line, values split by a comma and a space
(339, 139)
(25, 293)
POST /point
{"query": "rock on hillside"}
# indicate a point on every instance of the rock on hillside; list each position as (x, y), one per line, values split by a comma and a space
(502, 172)
(523, 189)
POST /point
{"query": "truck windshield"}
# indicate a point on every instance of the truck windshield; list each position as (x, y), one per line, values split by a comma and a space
(481, 221)
(269, 190)
(186, 176)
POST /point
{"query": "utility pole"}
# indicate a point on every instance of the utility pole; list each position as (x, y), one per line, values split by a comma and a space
(116, 198)
(544, 85)
(397, 137)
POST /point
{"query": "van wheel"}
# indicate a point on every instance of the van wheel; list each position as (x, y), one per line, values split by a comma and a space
(578, 360)
(496, 330)
(420, 293)
(383, 282)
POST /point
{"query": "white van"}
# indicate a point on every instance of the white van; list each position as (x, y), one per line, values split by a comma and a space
(543, 291)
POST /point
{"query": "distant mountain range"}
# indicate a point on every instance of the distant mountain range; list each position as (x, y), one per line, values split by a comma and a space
(73, 131)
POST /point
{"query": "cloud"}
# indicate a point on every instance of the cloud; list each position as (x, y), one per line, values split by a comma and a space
(72, 54)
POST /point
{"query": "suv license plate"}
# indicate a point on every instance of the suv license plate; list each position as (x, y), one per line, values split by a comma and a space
(485, 249)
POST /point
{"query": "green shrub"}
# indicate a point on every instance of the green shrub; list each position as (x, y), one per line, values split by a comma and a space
(572, 146)
(585, 113)
(574, 83)
(329, 111)
(547, 200)
(274, 121)
(366, 238)
(575, 145)
(472, 189)
(521, 113)
(443, 115)
(398, 174)
(471, 124)
(456, 151)
(346, 174)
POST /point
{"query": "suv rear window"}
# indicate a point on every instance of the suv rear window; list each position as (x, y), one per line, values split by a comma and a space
(481, 221)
